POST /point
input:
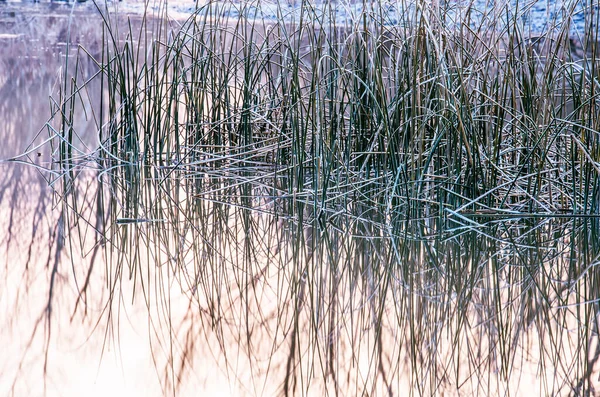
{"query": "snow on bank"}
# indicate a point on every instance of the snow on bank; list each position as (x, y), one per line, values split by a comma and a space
(533, 17)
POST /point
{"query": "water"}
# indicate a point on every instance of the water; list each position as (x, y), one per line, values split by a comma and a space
(235, 283)
(80, 361)
(534, 17)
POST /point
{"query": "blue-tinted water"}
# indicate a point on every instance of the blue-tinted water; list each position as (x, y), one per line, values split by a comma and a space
(531, 17)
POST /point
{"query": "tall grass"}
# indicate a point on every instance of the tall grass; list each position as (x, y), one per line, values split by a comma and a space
(389, 201)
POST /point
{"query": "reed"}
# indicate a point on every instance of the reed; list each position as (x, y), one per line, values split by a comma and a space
(403, 198)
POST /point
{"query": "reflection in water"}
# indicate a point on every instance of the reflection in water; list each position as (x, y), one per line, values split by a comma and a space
(234, 262)
(47, 347)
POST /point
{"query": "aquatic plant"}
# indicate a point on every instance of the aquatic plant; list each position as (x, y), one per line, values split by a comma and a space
(352, 199)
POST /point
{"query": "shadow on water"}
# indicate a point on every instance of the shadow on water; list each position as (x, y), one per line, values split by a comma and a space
(363, 210)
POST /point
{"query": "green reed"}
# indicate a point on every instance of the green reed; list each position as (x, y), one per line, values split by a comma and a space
(400, 188)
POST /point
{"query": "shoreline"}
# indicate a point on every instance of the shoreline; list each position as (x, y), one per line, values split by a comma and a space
(534, 17)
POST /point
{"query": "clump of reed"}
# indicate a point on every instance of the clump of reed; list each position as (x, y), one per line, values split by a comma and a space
(388, 202)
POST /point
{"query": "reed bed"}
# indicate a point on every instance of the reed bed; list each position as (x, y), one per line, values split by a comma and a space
(363, 205)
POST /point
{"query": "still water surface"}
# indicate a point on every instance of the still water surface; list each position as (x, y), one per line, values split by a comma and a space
(64, 354)
(69, 346)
